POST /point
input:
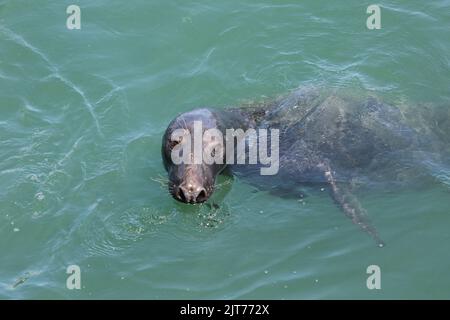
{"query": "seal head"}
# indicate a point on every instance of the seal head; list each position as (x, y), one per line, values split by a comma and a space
(191, 182)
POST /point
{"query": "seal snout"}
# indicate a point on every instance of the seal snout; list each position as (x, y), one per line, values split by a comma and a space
(191, 192)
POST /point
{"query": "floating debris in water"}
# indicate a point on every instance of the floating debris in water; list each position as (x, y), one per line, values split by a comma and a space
(21, 280)
(16, 229)
(33, 177)
(39, 196)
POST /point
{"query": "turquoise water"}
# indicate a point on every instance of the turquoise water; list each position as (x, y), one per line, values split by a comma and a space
(82, 113)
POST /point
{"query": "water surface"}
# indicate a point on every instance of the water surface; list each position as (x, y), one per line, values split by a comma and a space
(82, 113)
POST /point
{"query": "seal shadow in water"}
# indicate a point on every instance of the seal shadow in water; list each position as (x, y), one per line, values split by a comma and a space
(327, 139)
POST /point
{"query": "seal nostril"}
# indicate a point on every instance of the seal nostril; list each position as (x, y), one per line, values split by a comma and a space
(181, 195)
(201, 197)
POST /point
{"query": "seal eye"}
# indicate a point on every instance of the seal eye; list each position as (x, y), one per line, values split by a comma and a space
(173, 143)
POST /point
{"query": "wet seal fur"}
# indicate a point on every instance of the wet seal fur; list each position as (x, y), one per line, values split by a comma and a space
(327, 140)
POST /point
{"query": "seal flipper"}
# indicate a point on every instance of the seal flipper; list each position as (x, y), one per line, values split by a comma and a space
(350, 205)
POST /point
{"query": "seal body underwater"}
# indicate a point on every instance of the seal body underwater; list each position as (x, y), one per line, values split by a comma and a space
(326, 140)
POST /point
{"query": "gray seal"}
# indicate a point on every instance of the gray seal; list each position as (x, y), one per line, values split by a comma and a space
(328, 139)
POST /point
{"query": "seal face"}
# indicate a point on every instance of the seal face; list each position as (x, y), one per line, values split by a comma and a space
(190, 182)
(193, 181)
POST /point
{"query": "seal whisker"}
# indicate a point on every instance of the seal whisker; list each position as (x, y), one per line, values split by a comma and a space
(162, 181)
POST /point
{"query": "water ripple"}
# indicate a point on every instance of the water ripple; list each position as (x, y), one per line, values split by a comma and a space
(54, 69)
